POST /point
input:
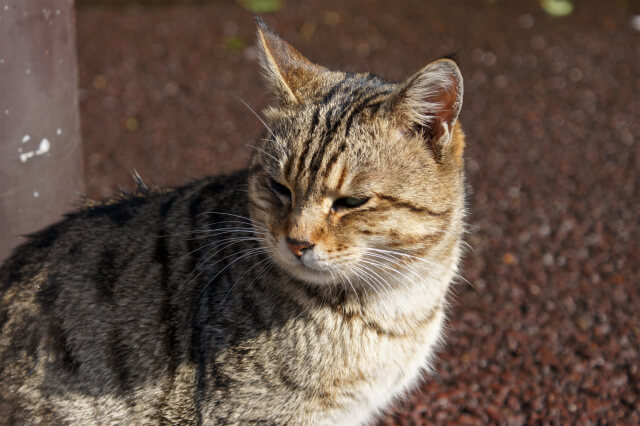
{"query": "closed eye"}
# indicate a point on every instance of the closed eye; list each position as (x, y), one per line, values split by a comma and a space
(348, 203)
(279, 189)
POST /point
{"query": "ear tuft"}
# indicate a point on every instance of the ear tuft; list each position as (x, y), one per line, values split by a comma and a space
(287, 70)
(430, 101)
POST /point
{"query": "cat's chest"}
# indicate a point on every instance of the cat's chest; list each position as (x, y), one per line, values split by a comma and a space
(380, 368)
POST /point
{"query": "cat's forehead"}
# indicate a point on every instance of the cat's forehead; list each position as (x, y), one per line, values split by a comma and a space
(340, 105)
(330, 137)
(335, 98)
(338, 85)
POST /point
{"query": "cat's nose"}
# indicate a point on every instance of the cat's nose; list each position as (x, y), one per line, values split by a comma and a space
(298, 247)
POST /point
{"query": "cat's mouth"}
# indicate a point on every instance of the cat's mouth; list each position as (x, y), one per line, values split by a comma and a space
(308, 267)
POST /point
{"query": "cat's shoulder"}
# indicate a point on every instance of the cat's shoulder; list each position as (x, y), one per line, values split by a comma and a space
(129, 213)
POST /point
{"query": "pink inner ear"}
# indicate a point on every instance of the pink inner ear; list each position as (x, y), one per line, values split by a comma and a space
(447, 99)
(430, 101)
(444, 114)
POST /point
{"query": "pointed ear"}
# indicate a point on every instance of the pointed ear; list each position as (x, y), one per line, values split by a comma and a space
(290, 74)
(429, 102)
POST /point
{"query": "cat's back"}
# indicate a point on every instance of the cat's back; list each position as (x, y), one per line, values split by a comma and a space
(108, 276)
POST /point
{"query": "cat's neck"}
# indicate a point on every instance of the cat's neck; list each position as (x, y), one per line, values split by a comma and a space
(396, 306)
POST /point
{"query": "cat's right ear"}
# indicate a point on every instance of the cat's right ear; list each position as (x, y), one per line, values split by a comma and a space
(290, 74)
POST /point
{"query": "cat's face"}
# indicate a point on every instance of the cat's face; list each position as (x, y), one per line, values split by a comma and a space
(349, 184)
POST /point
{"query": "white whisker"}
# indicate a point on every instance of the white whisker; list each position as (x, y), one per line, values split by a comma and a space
(247, 219)
(259, 118)
(360, 274)
(264, 152)
(249, 253)
(267, 259)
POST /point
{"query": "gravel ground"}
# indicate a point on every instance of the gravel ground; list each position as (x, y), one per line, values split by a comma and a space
(548, 329)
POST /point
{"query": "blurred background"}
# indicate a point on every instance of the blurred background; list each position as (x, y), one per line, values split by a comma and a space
(548, 330)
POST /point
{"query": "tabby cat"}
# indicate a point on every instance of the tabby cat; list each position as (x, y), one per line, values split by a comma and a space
(309, 289)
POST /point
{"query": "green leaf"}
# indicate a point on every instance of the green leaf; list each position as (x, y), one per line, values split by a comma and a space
(234, 43)
(261, 6)
(557, 7)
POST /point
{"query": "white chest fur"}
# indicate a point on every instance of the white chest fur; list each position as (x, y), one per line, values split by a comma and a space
(401, 366)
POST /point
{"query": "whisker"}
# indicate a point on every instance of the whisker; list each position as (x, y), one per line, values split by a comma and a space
(207, 257)
(397, 269)
(259, 118)
(359, 272)
(377, 277)
(344, 276)
(249, 253)
(218, 233)
(248, 219)
(267, 259)
(430, 263)
(225, 240)
(264, 152)
(206, 230)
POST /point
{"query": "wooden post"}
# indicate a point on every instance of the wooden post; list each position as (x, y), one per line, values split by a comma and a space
(40, 147)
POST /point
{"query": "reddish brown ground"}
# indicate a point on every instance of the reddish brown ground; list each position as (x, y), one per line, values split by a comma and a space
(549, 328)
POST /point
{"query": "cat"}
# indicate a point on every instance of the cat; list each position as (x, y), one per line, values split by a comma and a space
(309, 289)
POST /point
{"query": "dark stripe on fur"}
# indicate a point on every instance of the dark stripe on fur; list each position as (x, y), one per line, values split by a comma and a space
(48, 294)
(354, 212)
(374, 108)
(106, 274)
(334, 90)
(412, 207)
(301, 159)
(360, 100)
(120, 353)
(332, 124)
(58, 338)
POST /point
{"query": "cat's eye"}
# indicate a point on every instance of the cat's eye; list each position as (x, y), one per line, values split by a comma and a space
(348, 203)
(279, 189)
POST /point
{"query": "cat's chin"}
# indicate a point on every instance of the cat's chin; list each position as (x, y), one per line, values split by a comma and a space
(309, 275)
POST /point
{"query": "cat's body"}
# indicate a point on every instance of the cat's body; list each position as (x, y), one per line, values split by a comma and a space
(297, 302)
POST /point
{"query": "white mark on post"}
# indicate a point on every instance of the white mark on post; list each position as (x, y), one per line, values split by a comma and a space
(28, 71)
(1, 60)
(24, 157)
(20, 149)
(58, 132)
(45, 146)
(6, 112)
(36, 194)
(26, 138)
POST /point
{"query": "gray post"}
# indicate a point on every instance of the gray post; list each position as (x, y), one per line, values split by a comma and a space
(40, 147)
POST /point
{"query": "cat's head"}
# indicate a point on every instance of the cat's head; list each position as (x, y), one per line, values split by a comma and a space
(358, 177)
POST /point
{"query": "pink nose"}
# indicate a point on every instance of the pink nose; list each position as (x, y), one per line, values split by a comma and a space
(298, 247)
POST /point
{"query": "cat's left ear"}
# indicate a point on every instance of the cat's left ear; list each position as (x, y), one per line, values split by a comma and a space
(291, 75)
(429, 102)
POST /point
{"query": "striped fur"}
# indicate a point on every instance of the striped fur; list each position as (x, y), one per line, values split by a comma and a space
(190, 306)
